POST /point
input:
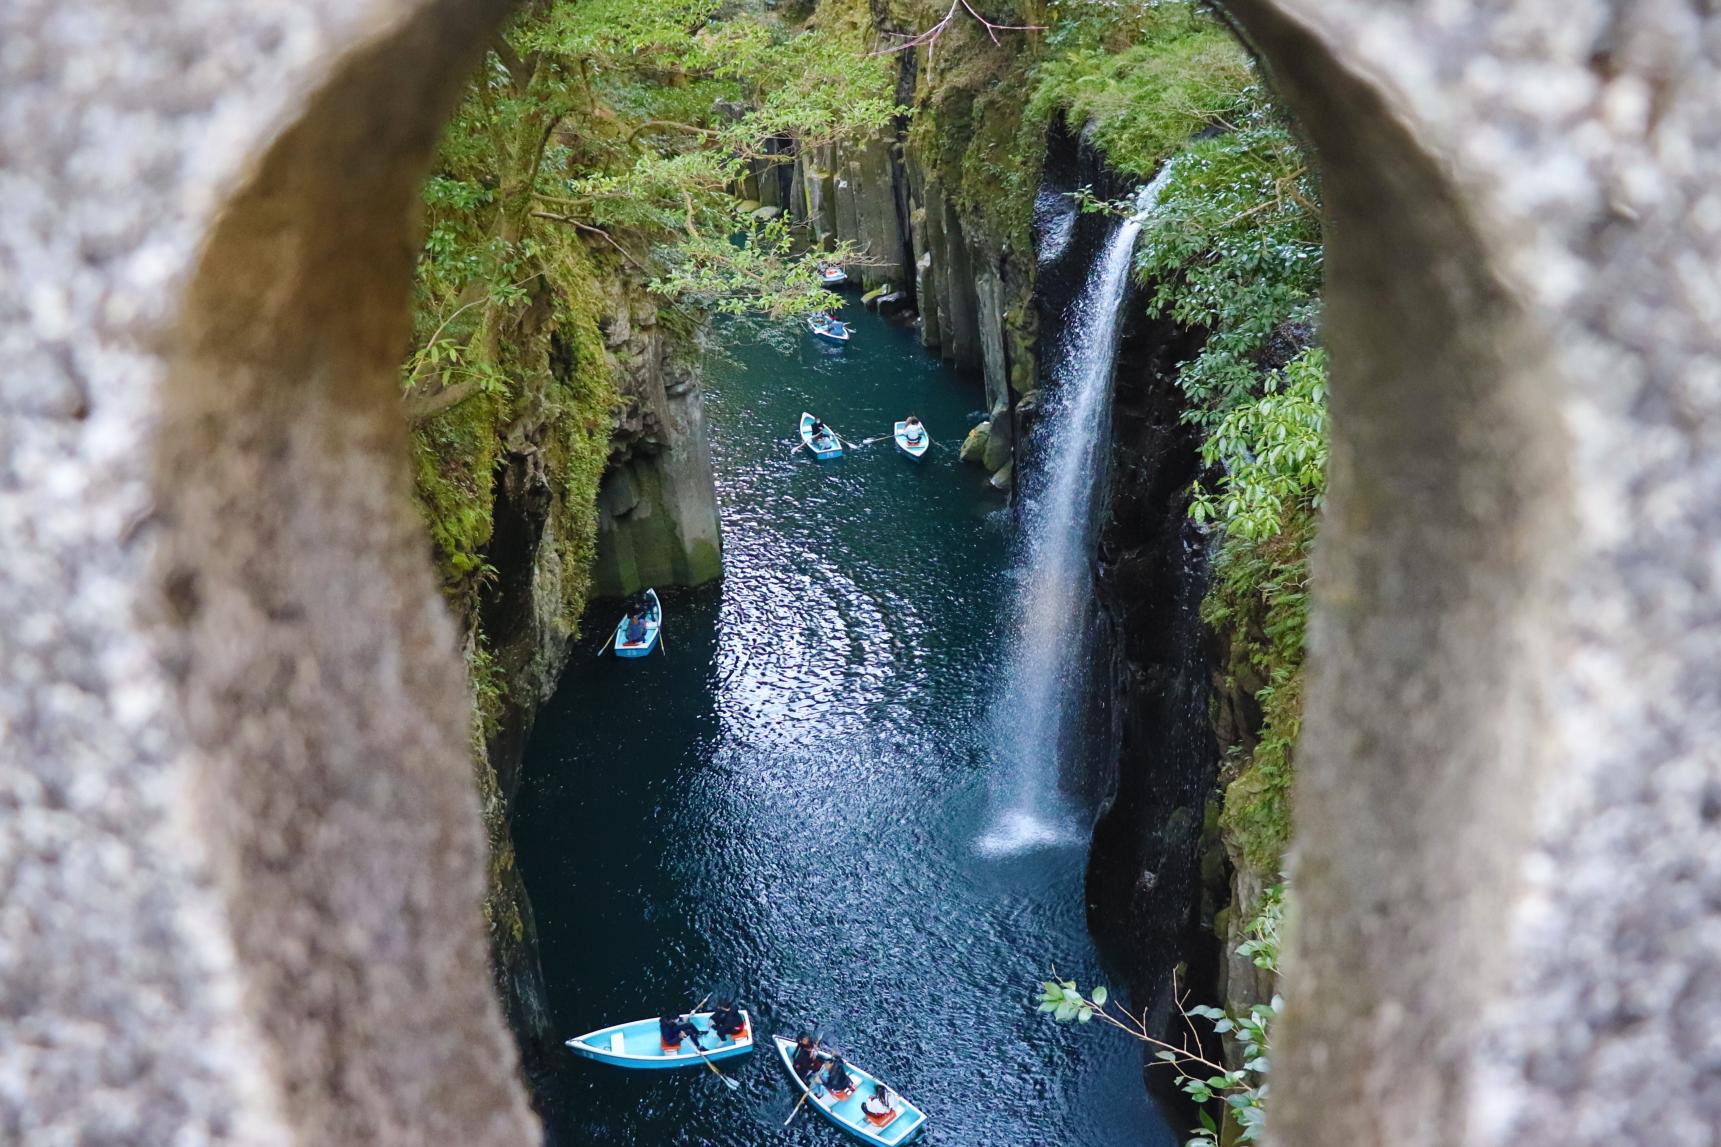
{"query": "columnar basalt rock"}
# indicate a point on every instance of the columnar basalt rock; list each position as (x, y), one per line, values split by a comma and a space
(657, 507)
(240, 835)
(1507, 812)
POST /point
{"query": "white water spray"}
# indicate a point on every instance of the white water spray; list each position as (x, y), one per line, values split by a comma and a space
(1052, 647)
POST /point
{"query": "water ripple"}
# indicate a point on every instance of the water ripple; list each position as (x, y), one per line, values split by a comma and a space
(790, 798)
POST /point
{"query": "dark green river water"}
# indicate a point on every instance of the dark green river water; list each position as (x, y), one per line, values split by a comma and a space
(791, 798)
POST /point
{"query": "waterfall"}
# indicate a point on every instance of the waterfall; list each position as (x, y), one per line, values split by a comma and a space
(1052, 644)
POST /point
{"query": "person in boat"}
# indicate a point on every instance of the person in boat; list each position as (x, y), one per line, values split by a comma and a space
(808, 1057)
(912, 429)
(837, 1079)
(673, 1028)
(833, 323)
(820, 430)
(727, 1020)
(635, 631)
(880, 1106)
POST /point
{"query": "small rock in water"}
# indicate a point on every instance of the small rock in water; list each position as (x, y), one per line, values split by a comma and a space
(974, 446)
(893, 304)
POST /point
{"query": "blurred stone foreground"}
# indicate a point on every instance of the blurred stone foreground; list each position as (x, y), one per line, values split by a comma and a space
(240, 860)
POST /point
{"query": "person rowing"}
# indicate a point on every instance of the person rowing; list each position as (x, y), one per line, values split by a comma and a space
(838, 1082)
(808, 1057)
(913, 430)
(727, 1020)
(673, 1028)
(635, 632)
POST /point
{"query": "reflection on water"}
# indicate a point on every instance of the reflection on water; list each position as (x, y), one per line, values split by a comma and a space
(790, 798)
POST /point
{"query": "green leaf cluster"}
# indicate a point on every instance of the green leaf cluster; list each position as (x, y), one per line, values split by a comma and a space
(1064, 1002)
(1241, 1091)
(1143, 78)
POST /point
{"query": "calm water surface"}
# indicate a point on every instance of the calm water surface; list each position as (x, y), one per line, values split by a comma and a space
(792, 797)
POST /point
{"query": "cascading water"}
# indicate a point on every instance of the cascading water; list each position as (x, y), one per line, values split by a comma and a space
(1052, 643)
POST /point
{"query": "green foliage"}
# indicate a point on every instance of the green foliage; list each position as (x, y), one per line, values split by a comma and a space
(765, 274)
(1264, 929)
(1259, 599)
(1144, 77)
(1233, 247)
(1241, 1091)
(1271, 449)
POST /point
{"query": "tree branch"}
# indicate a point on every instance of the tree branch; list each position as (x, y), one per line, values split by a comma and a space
(590, 230)
(653, 124)
(420, 408)
(931, 35)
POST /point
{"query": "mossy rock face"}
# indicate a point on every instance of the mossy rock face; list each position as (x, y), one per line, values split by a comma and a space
(997, 454)
(974, 445)
(1005, 476)
(704, 563)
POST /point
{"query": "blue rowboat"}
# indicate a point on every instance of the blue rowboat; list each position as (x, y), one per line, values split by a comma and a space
(834, 329)
(905, 1125)
(912, 441)
(828, 445)
(832, 275)
(640, 1045)
(653, 623)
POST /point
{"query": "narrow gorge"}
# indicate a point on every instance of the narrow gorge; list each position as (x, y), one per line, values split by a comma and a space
(1091, 247)
(363, 356)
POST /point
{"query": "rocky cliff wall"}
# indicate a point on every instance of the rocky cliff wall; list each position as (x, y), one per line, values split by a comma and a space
(962, 265)
(657, 504)
(656, 524)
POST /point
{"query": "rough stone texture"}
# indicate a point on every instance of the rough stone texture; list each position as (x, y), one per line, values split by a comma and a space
(239, 839)
(1508, 866)
(657, 506)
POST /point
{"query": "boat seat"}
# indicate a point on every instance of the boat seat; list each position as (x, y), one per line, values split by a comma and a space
(618, 1043)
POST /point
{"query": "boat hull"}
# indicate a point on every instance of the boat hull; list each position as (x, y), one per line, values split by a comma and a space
(910, 1121)
(827, 333)
(833, 447)
(834, 278)
(640, 1048)
(653, 625)
(915, 450)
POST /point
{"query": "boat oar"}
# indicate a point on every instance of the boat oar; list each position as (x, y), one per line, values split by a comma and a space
(732, 1085)
(807, 1084)
(606, 644)
(797, 1110)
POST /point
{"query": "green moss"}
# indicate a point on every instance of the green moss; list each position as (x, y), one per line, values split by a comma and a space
(704, 562)
(583, 399)
(1259, 602)
(1180, 74)
(455, 455)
